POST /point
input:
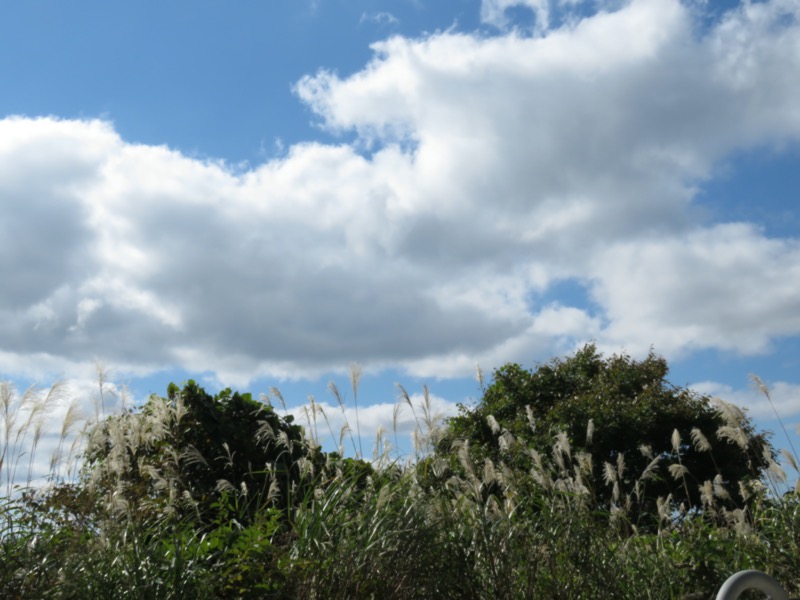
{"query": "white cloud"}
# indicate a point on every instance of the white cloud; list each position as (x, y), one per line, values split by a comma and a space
(556, 320)
(496, 167)
(379, 18)
(493, 12)
(726, 287)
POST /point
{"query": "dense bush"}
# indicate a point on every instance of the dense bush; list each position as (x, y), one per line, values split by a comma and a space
(629, 418)
(185, 453)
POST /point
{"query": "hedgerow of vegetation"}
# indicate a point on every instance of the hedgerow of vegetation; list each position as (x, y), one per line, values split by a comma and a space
(585, 478)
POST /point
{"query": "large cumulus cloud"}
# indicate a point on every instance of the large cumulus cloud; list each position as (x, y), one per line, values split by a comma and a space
(484, 170)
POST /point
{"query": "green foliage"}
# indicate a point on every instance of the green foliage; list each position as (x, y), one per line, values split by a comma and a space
(373, 537)
(51, 559)
(245, 559)
(498, 520)
(182, 453)
(611, 408)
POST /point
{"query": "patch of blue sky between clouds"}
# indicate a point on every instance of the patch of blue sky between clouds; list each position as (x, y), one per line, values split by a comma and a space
(781, 363)
(757, 185)
(570, 292)
(537, 17)
(524, 15)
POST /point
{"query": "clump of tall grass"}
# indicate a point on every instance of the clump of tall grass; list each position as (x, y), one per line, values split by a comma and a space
(366, 529)
(522, 524)
(25, 475)
(23, 420)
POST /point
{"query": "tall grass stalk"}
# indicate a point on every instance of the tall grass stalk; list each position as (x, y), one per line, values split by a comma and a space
(355, 379)
(764, 389)
(346, 429)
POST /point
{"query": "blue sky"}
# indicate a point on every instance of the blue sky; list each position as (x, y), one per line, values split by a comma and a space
(259, 194)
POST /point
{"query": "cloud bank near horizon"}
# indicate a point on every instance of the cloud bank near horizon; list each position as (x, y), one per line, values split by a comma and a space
(484, 172)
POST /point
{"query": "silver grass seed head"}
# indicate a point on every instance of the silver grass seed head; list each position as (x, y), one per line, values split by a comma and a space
(508, 475)
(738, 518)
(664, 508)
(531, 418)
(439, 467)
(223, 485)
(676, 441)
(489, 473)
(790, 458)
(730, 413)
(265, 433)
(734, 435)
(396, 415)
(609, 473)
(650, 470)
(505, 441)
(355, 375)
(277, 394)
(744, 491)
(678, 471)
(719, 488)
(384, 495)
(558, 456)
(707, 494)
(493, 507)
(760, 385)
(584, 463)
(542, 478)
(563, 444)
(493, 424)
(187, 498)
(179, 409)
(306, 466)
(776, 472)
(700, 441)
(464, 458)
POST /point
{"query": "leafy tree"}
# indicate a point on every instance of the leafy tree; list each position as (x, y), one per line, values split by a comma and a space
(194, 453)
(630, 419)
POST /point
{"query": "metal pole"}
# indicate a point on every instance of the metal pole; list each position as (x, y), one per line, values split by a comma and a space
(751, 580)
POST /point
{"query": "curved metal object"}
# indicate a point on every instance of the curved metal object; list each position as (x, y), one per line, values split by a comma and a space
(751, 580)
